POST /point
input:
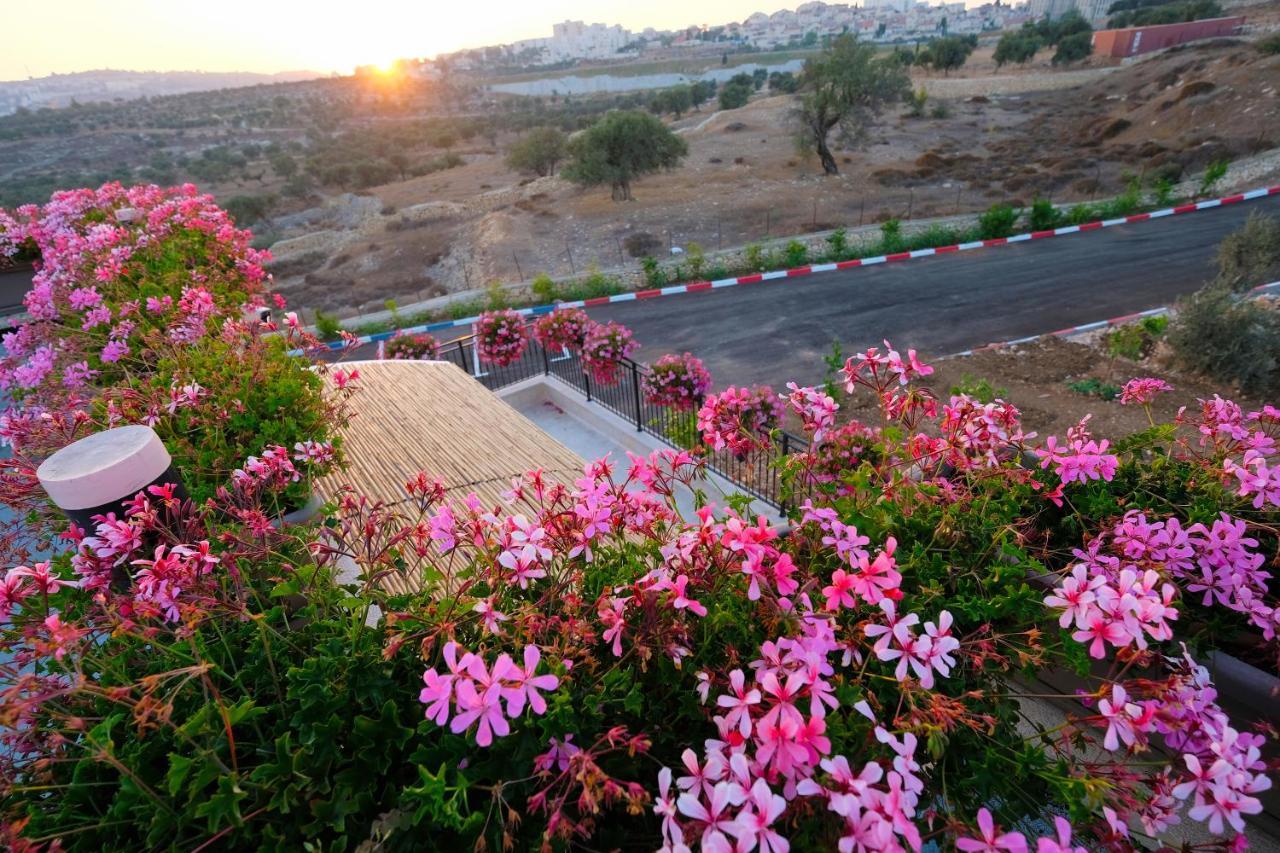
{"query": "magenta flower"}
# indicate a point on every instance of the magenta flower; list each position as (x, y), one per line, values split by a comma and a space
(990, 839)
(1143, 391)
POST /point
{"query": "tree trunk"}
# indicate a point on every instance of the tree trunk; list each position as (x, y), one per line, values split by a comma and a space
(621, 191)
(824, 154)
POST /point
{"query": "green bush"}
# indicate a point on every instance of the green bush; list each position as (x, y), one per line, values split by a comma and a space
(1043, 216)
(1163, 188)
(328, 327)
(1080, 214)
(1251, 255)
(838, 244)
(1213, 175)
(890, 237)
(1125, 203)
(544, 288)
(796, 254)
(933, 236)
(1095, 388)
(1230, 339)
(979, 389)
(1135, 341)
(263, 397)
(1269, 45)
(754, 257)
(997, 222)
(697, 260)
(653, 274)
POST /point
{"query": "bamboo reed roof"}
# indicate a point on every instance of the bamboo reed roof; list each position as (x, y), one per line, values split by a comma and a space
(430, 416)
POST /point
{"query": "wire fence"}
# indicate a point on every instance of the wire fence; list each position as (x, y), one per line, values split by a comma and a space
(756, 472)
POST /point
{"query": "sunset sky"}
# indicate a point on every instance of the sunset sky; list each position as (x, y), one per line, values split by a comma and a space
(285, 35)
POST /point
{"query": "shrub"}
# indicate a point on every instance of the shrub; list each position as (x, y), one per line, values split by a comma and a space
(890, 237)
(1269, 45)
(916, 103)
(544, 288)
(328, 326)
(979, 389)
(604, 348)
(1095, 388)
(940, 110)
(838, 243)
(234, 400)
(997, 222)
(1135, 341)
(1164, 187)
(496, 296)
(1125, 203)
(1235, 340)
(1073, 48)
(653, 274)
(1213, 175)
(1251, 255)
(96, 303)
(676, 381)
(754, 257)
(796, 254)
(1043, 216)
(501, 337)
(414, 347)
(697, 260)
(1082, 213)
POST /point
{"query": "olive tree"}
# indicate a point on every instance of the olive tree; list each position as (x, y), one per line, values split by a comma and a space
(539, 151)
(844, 89)
(620, 148)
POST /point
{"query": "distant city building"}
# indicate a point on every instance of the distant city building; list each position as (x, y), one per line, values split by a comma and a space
(1090, 10)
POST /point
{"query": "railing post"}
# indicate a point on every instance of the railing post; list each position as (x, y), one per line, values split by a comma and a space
(546, 363)
(586, 383)
(786, 448)
(635, 385)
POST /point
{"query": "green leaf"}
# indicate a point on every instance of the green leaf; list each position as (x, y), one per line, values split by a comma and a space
(179, 768)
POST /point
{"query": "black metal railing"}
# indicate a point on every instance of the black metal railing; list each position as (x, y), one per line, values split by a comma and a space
(756, 472)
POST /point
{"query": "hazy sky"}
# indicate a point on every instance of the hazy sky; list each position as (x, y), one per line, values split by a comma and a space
(284, 35)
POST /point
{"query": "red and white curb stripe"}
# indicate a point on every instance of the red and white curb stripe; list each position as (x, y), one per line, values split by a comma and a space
(813, 269)
(1100, 324)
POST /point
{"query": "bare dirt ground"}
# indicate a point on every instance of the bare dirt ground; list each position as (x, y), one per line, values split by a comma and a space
(1002, 135)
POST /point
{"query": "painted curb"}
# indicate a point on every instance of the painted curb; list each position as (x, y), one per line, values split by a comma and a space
(1099, 324)
(811, 269)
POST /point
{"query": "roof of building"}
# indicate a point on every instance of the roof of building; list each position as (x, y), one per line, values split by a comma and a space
(430, 416)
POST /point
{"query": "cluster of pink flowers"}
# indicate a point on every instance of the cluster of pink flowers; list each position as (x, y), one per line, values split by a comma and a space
(880, 371)
(676, 381)
(1081, 457)
(416, 347)
(603, 350)
(501, 337)
(562, 329)
(981, 435)
(471, 693)
(1112, 595)
(740, 419)
(92, 247)
(815, 408)
(1254, 435)
(272, 470)
(1143, 390)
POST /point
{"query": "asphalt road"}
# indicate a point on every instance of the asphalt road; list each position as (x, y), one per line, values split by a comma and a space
(778, 331)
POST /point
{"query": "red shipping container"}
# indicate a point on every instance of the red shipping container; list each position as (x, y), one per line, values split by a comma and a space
(1132, 41)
